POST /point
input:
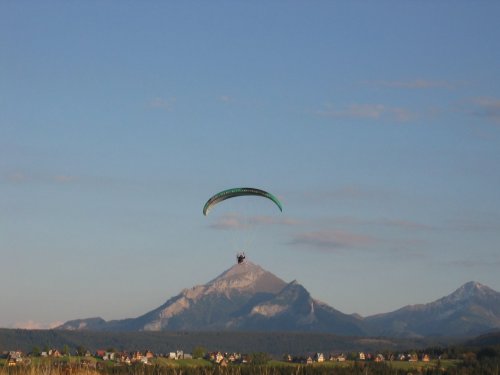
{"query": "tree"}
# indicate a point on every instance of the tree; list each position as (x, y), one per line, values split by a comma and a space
(36, 351)
(259, 358)
(81, 350)
(199, 352)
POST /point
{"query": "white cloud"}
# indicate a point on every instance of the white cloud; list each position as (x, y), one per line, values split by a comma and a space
(238, 222)
(16, 177)
(414, 84)
(225, 98)
(333, 240)
(383, 222)
(367, 111)
(64, 178)
(23, 177)
(162, 103)
(488, 108)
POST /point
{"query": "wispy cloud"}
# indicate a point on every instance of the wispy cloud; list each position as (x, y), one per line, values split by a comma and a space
(166, 104)
(488, 108)
(382, 222)
(225, 98)
(31, 324)
(351, 192)
(64, 179)
(474, 263)
(334, 240)
(413, 84)
(16, 177)
(24, 177)
(367, 111)
(487, 224)
(239, 222)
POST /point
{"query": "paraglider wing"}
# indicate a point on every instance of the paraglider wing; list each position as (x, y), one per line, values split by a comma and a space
(237, 192)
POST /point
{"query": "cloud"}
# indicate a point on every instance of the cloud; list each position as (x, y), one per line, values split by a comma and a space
(239, 222)
(488, 108)
(351, 192)
(474, 263)
(486, 224)
(367, 111)
(333, 240)
(225, 98)
(31, 324)
(23, 177)
(383, 222)
(16, 177)
(162, 103)
(229, 222)
(414, 84)
(64, 179)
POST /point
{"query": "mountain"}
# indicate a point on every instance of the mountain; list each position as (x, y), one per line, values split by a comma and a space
(248, 298)
(470, 310)
(293, 309)
(245, 297)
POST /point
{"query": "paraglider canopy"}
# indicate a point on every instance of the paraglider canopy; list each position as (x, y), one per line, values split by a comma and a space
(238, 192)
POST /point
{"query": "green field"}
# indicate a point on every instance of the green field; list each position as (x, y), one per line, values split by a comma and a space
(60, 366)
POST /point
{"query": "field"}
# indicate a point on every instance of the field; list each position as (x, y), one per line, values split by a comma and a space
(72, 365)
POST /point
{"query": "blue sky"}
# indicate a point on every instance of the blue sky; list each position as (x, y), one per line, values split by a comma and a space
(376, 123)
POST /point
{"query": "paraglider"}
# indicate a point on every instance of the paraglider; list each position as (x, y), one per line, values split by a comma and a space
(240, 257)
(238, 192)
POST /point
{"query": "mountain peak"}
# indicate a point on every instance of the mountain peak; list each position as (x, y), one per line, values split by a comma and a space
(473, 286)
(245, 276)
(469, 290)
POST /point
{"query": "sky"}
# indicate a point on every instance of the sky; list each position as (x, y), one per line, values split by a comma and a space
(377, 125)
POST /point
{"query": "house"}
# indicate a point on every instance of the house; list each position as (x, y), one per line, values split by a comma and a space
(223, 362)
(426, 358)
(341, 358)
(413, 358)
(309, 360)
(172, 355)
(16, 356)
(337, 358)
(379, 358)
(149, 354)
(319, 357)
(109, 356)
(11, 362)
(218, 357)
(137, 356)
(54, 353)
(362, 356)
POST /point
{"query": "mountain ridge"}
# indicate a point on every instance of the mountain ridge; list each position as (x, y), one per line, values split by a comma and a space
(246, 297)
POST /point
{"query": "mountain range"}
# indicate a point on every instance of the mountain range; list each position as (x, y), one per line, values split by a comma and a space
(248, 298)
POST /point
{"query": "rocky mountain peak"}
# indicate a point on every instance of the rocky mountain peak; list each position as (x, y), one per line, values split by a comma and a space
(246, 276)
(469, 290)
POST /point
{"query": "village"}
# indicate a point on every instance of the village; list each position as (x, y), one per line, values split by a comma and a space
(100, 358)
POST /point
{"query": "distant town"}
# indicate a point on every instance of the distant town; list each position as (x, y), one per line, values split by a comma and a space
(18, 358)
(477, 356)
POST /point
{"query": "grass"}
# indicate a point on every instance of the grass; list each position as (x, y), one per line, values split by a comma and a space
(71, 365)
(181, 362)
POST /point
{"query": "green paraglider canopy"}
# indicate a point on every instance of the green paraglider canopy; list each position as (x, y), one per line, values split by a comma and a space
(238, 192)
